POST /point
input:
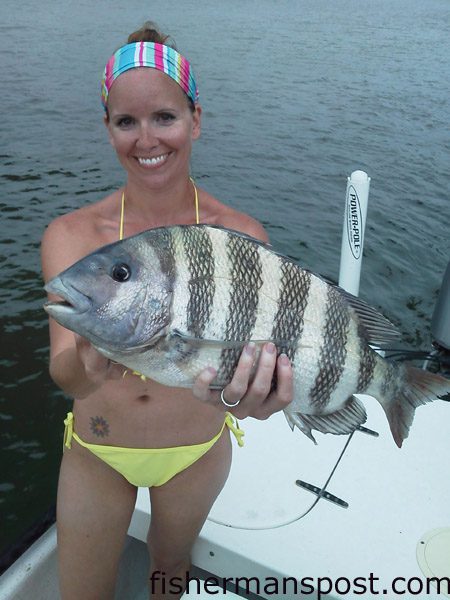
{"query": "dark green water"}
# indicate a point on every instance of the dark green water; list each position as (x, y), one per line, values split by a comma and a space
(296, 95)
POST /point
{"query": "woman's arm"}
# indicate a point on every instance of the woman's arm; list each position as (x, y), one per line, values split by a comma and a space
(75, 366)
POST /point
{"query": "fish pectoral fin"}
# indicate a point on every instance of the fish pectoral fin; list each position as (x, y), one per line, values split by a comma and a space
(196, 341)
(342, 421)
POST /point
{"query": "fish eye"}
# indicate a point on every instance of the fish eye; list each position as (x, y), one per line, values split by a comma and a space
(121, 272)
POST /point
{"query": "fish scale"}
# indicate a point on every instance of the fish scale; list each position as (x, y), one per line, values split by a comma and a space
(348, 381)
(245, 277)
(288, 322)
(309, 343)
(333, 350)
(201, 286)
(220, 300)
(269, 295)
(181, 293)
(366, 364)
(195, 294)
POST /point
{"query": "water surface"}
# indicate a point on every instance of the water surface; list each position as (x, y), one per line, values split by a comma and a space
(296, 95)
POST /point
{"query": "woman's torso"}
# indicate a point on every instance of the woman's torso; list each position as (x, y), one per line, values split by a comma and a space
(137, 413)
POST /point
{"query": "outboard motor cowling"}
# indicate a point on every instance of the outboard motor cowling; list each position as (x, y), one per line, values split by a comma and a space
(440, 322)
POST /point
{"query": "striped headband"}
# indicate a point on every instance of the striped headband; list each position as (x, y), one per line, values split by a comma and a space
(156, 56)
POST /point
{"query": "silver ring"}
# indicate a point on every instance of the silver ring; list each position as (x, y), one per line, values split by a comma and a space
(227, 403)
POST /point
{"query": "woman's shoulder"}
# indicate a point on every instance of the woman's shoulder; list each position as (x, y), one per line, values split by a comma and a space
(75, 229)
(75, 234)
(245, 224)
(227, 216)
(90, 222)
(68, 222)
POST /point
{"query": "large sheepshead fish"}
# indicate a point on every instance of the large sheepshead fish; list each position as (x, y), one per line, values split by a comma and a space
(171, 301)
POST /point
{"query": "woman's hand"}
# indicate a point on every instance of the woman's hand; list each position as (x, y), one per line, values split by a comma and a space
(255, 396)
(78, 369)
(97, 367)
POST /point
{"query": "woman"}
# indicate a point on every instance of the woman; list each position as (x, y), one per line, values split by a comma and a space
(152, 116)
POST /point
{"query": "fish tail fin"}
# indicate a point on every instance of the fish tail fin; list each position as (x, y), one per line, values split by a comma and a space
(419, 387)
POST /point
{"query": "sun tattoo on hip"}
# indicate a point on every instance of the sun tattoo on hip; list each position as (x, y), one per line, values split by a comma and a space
(99, 426)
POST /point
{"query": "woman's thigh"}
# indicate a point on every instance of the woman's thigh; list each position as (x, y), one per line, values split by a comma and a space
(94, 508)
(180, 506)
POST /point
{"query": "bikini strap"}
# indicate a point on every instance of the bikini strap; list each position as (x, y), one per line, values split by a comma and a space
(122, 209)
(68, 431)
(197, 216)
(122, 216)
(233, 425)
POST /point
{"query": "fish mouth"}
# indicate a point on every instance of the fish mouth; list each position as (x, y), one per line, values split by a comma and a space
(74, 302)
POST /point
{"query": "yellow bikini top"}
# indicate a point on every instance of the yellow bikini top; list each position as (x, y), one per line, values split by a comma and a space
(122, 209)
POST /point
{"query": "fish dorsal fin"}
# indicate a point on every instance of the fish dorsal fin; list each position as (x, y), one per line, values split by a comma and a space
(378, 330)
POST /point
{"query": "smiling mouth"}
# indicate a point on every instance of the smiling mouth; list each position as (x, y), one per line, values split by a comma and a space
(153, 161)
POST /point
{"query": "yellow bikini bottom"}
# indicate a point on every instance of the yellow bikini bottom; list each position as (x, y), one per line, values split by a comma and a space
(148, 467)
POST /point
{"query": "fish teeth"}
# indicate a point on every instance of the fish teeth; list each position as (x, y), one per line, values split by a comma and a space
(156, 160)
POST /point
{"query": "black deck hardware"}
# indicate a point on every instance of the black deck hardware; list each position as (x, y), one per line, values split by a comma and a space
(321, 493)
(368, 431)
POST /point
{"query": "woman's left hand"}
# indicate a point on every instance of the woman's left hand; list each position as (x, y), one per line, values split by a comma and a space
(254, 393)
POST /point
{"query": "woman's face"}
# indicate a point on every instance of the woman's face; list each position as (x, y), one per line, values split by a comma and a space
(151, 126)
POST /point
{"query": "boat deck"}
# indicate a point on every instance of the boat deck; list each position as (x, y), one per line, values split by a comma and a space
(395, 498)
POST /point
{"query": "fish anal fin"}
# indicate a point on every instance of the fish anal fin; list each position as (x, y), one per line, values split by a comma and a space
(297, 420)
(342, 421)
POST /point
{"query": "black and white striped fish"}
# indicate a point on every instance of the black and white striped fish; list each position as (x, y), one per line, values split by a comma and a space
(171, 301)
